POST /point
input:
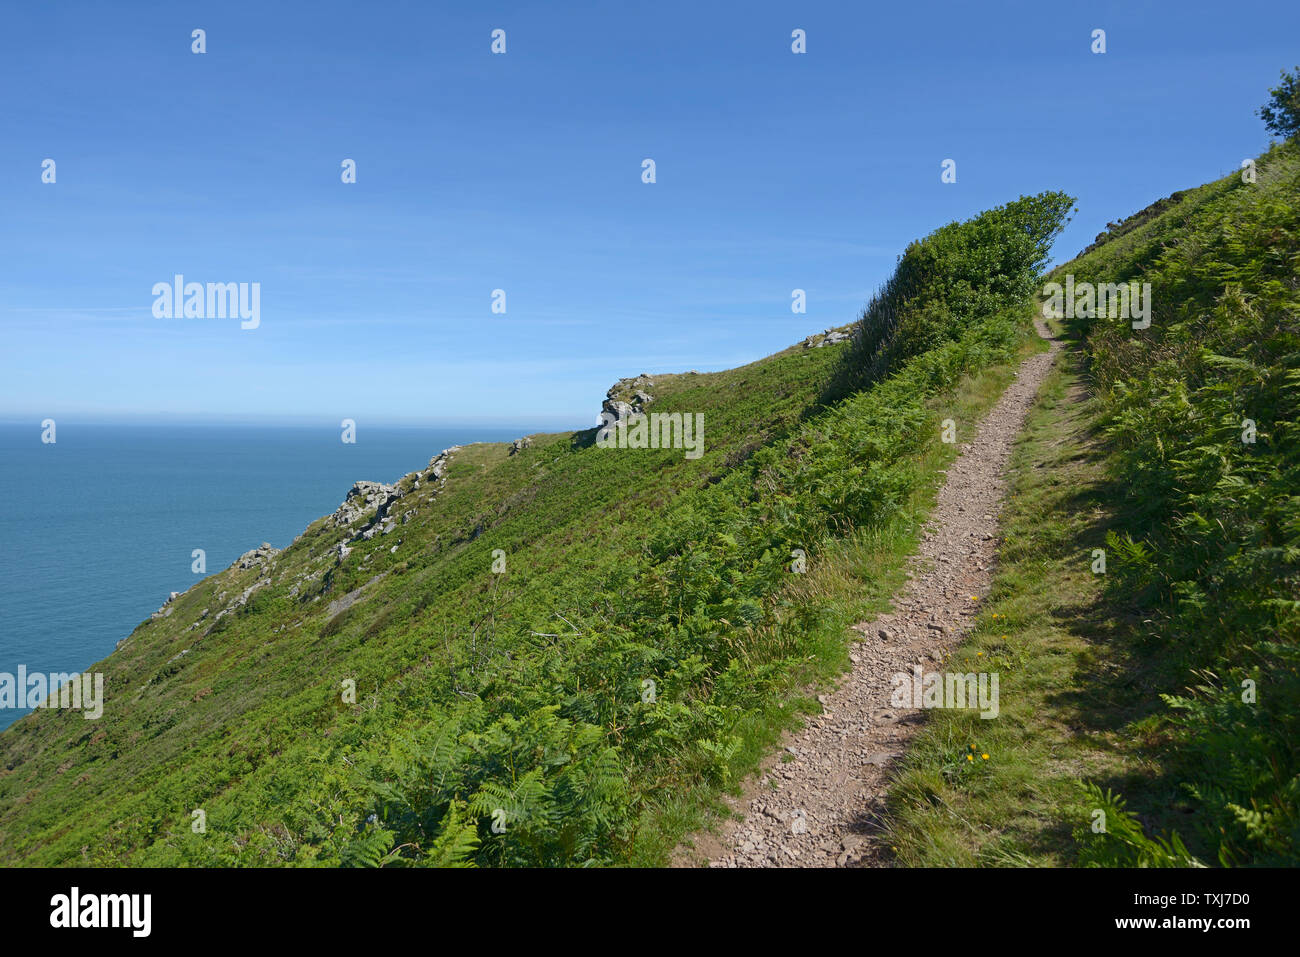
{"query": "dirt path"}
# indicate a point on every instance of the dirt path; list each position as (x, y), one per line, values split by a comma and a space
(818, 803)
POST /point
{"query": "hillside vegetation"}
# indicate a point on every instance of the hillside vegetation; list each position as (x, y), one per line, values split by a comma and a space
(560, 654)
(1153, 704)
(1202, 411)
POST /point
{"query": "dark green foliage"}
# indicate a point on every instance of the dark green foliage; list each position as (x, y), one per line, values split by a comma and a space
(1125, 843)
(954, 277)
(1281, 114)
(1211, 556)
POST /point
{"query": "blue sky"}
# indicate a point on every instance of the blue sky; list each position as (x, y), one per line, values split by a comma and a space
(522, 171)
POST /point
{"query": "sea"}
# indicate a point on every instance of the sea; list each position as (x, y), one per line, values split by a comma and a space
(98, 527)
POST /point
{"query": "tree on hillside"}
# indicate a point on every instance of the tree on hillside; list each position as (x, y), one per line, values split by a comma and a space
(1281, 114)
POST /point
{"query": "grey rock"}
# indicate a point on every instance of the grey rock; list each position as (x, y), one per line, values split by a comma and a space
(362, 497)
(439, 464)
(626, 398)
(258, 556)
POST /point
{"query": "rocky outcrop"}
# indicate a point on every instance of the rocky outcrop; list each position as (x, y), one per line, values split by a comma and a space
(256, 557)
(235, 605)
(165, 610)
(831, 337)
(439, 464)
(520, 444)
(374, 502)
(363, 497)
(246, 594)
(627, 397)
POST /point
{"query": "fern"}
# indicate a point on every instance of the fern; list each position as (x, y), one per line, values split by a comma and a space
(1123, 842)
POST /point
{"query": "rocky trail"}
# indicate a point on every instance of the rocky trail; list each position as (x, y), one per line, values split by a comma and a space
(818, 801)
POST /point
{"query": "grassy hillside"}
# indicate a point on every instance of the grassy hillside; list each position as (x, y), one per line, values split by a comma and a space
(1163, 692)
(561, 653)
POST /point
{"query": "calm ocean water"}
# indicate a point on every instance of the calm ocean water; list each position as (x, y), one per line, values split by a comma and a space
(98, 528)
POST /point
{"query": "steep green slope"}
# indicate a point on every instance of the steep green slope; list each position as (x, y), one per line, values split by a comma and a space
(1153, 709)
(551, 648)
(1203, 411)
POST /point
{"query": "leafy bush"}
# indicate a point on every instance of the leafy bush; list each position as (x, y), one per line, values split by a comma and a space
(1281, 114)
(958, 275)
